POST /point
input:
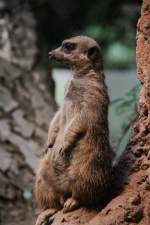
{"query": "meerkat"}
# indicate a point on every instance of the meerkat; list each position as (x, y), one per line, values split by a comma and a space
(76, 169)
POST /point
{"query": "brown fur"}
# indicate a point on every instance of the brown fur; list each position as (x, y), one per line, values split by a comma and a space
(76, 170)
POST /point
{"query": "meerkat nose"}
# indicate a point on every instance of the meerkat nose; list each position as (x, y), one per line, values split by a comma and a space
(50, 54)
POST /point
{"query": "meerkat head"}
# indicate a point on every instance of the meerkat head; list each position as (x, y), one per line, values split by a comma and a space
(77, 52)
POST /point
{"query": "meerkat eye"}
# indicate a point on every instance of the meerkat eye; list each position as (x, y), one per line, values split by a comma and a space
(69, 46)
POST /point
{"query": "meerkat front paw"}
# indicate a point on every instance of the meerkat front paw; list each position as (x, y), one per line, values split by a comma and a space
(50, 143)
(65, 145)
(70, 205)
(45, 218)
(61, 150)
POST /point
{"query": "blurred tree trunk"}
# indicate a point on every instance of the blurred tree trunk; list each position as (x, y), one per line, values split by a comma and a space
(131, 204)
(26, 107)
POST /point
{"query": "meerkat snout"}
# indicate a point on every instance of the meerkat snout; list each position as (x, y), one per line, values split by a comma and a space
(78, 51)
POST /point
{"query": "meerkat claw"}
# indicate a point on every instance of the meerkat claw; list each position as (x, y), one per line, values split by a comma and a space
(70, 205)
(46, 217)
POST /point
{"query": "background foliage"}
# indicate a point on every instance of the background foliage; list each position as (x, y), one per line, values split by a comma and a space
(111, 22)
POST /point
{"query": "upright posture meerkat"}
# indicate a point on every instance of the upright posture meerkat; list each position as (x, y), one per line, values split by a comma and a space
(76, 169)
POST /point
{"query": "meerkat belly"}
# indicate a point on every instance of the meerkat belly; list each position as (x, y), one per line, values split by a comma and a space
(66, 169)
(69, 111)
(60, 162)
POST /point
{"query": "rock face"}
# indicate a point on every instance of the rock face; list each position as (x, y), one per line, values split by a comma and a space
(131, 201)
(17, 33)
(26, 107)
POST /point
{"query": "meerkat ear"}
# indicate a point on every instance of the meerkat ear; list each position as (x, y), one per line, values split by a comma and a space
(94, 54)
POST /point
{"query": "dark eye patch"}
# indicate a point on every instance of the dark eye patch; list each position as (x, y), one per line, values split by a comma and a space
(69, 46)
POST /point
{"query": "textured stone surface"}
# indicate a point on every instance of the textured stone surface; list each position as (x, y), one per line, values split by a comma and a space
(7, 103)
(26, 107)
(17, 33)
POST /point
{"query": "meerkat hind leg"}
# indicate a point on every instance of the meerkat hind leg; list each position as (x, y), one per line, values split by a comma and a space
(45, 217)
(70, 205)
